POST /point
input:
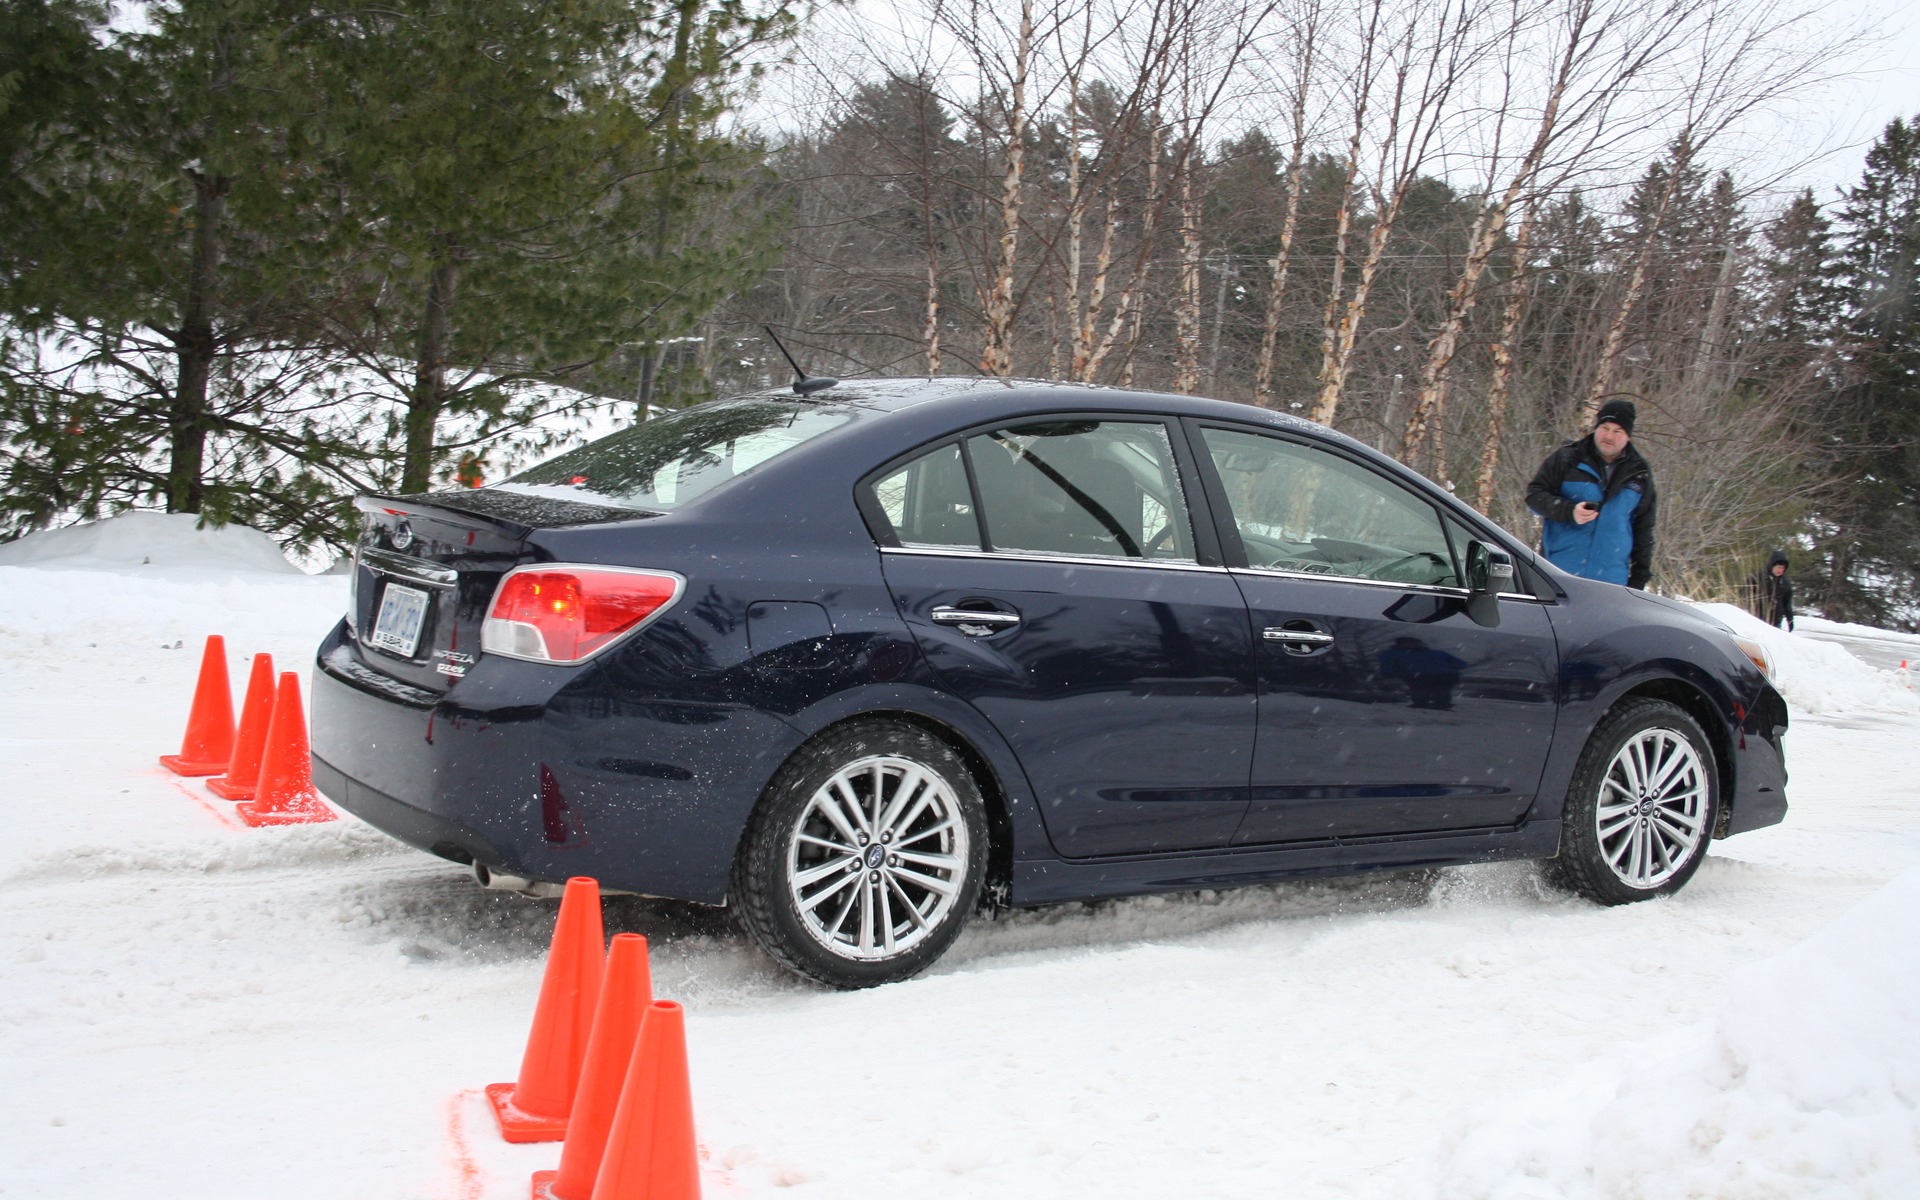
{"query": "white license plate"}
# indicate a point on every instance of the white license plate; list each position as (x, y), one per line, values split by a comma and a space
(403, 610)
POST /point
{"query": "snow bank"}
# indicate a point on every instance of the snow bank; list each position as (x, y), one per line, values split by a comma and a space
(1817, 676)
(139, 541)
(1805, 1084)
(144, 580)
(308, 1013)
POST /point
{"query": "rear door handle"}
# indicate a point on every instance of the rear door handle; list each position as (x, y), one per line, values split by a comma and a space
(1297, 641)
(974, 622)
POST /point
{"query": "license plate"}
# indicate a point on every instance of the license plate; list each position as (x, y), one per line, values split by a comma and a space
(403, 610)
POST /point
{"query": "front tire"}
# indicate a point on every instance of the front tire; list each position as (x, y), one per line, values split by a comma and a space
(1641, 808)
(864, 857)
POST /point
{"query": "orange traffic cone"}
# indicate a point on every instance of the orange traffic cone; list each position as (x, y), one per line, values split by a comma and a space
(250, 741)
(651, 1154)
(285, 794)
(208, 743)
(535, 1107)
(625, 994)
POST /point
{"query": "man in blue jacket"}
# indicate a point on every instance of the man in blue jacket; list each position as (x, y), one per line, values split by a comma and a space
(1595, 497)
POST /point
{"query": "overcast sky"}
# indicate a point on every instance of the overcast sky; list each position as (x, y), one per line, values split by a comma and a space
(1819, 140)
(1881, 83)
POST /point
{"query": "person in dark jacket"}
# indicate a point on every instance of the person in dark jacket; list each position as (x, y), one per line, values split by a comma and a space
(1596, 500)
(1772, 592)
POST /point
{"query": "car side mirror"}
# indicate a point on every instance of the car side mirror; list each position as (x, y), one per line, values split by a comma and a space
(1489, 572)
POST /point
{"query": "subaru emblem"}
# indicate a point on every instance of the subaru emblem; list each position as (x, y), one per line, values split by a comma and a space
(402, 536)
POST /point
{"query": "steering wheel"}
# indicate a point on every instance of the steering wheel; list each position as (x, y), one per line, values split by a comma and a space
(1384, 569)
(1159, 541)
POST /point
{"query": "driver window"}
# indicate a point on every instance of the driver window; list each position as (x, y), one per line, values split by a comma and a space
(1299, 508)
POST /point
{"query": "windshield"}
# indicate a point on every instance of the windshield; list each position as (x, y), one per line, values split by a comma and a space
(669, 461)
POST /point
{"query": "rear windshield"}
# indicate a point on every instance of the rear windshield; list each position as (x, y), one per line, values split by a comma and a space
(672, 460)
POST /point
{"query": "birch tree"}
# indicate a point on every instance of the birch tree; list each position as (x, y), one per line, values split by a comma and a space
(1301, 51)
(1208, 66)
(996, 353)
(1158, 60)
(1500, 385)
(1424, 54)
(1598, 51)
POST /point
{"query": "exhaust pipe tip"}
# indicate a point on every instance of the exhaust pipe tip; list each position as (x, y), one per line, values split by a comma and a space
(496, 881)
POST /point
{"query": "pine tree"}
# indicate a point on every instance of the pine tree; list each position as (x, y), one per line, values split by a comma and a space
(1802, 295)
(148, 297)
(524, 192)
(1871, 549)
(54, 73)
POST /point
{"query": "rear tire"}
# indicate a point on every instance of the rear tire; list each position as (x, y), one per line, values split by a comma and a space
(864, 857)
(1640, 810)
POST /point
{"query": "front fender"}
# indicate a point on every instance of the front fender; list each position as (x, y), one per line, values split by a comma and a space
(1669, 660)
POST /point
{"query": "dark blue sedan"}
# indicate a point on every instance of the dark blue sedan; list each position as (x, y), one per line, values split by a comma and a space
(858, 662)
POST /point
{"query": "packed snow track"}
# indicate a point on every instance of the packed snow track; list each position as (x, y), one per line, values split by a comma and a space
(192, 1008)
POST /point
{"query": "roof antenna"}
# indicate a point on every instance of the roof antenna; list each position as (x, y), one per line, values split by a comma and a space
(803, 383)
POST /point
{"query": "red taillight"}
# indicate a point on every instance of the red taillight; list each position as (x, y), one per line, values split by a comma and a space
(565, 614)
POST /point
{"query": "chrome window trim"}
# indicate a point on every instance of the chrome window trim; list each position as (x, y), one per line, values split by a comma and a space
(417, 569)
(1068, 559)
(1432, 589)
(1006, 556)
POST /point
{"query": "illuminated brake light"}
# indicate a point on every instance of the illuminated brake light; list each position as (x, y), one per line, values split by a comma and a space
(566, 613)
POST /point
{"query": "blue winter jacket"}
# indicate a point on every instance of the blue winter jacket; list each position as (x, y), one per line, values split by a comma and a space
(1615, 547)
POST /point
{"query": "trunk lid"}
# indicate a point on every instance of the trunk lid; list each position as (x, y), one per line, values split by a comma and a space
(426, 567)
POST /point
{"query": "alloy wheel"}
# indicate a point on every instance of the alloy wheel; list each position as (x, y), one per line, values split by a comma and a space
(1651, 818)
(877, 860)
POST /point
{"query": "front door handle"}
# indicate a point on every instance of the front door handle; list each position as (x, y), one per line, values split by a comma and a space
(1297, 641)
(974, 622)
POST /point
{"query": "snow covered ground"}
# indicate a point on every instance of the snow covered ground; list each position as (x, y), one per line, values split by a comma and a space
(191, 1008)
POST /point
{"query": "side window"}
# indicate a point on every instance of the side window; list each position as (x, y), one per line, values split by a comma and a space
(927, 501)
(1299, 508)
(1105, 489)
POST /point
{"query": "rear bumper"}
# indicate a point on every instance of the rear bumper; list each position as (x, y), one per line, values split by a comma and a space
(414, 826)
(546, 772)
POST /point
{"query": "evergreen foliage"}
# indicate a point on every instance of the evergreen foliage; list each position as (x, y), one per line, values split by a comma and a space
(273, 253)
(1869, 534)
(263, 254)
(149, 307)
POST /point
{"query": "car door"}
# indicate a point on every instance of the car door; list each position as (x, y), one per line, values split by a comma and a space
(1050, 573)
(1383, 708)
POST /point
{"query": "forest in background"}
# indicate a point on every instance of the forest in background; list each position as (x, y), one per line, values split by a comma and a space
(260, 256)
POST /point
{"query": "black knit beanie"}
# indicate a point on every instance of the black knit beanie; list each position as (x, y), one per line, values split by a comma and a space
(1620, 412)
